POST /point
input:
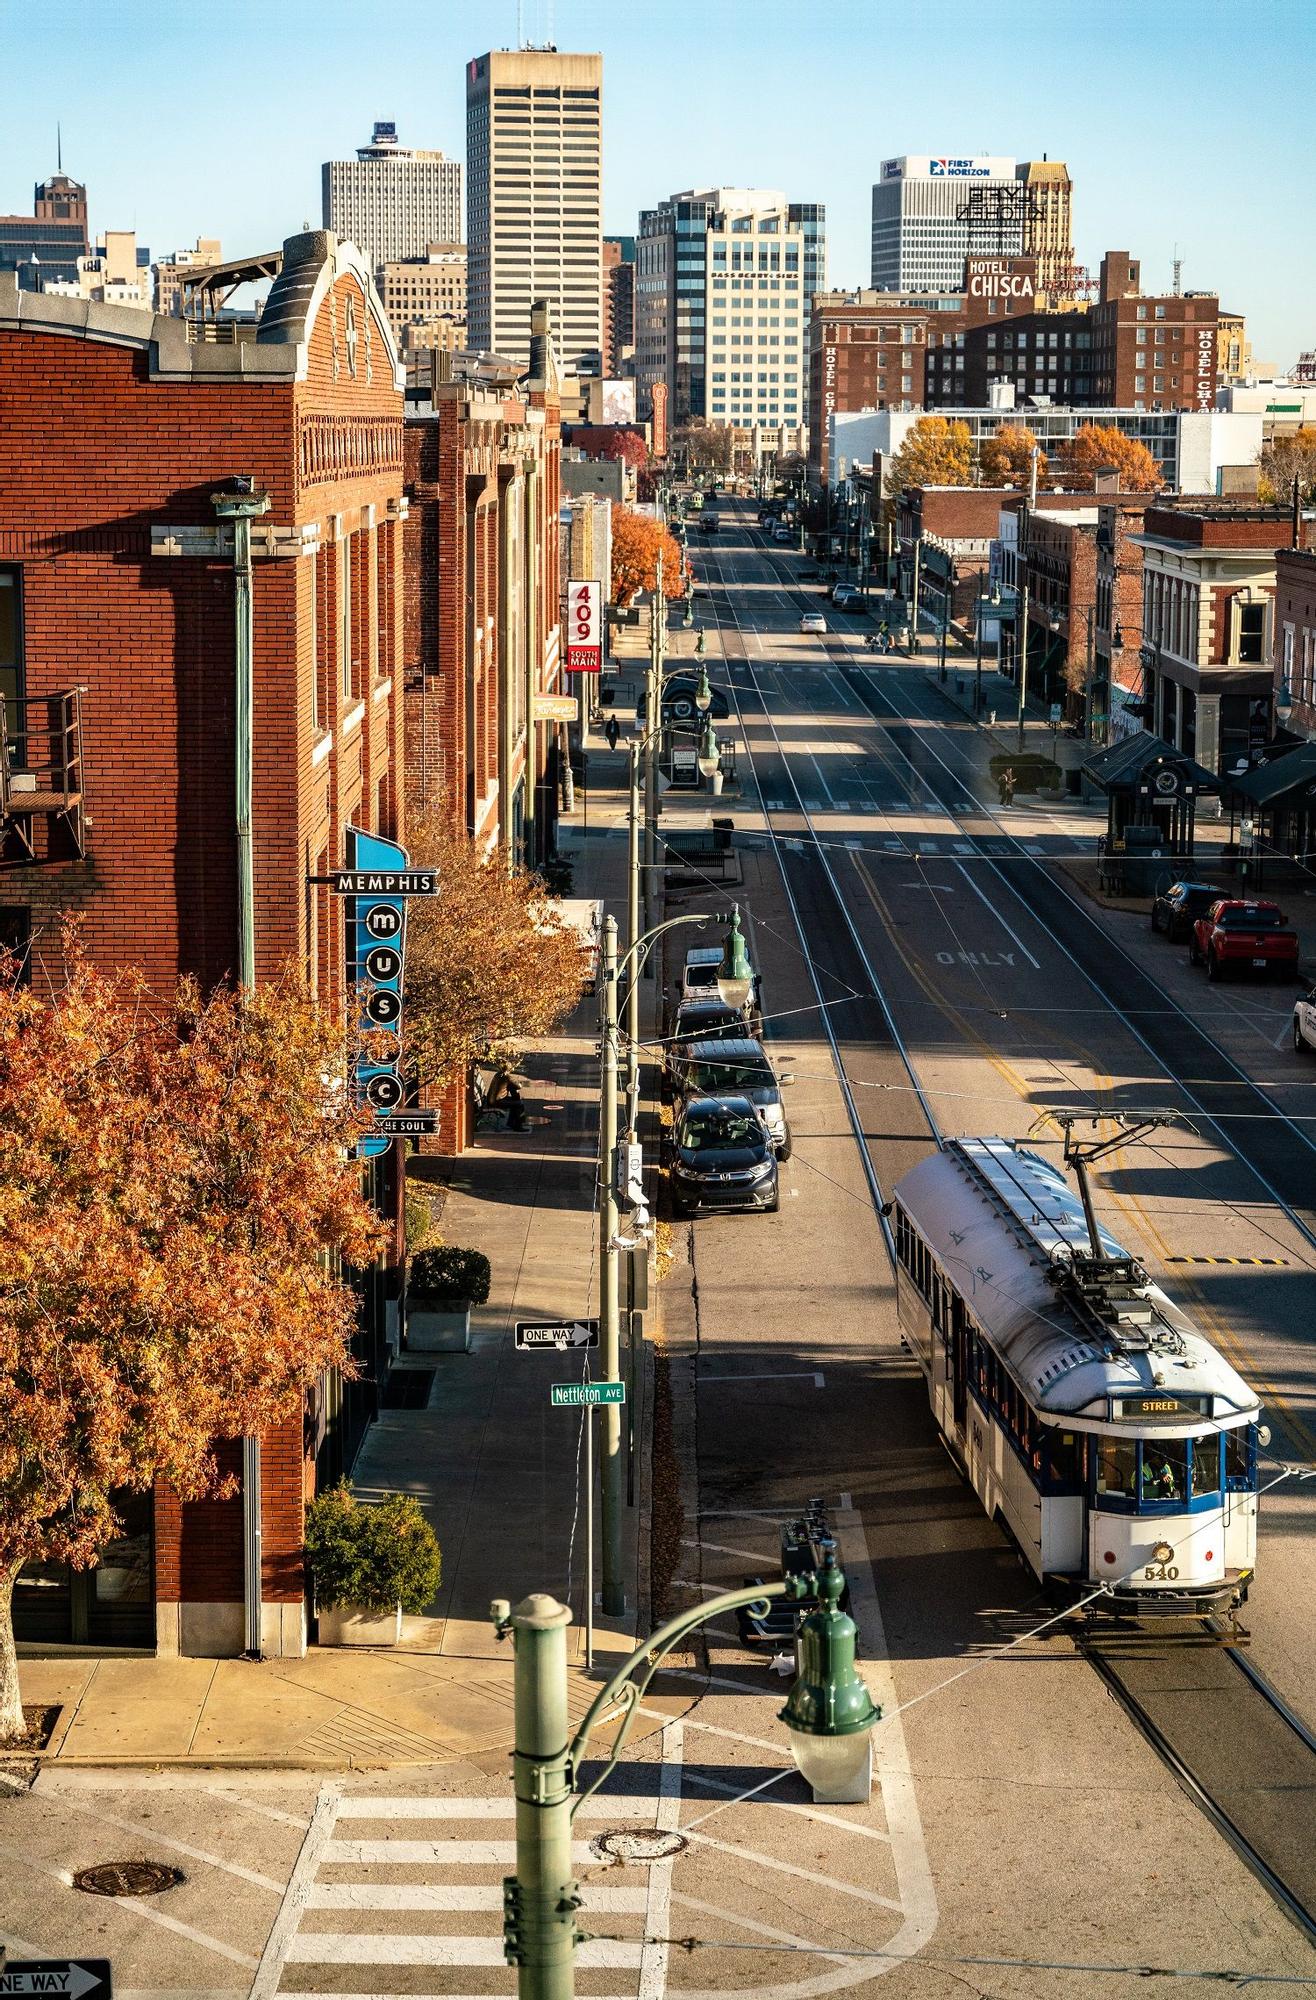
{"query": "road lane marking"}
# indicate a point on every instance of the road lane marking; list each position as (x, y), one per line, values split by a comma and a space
(135, 1826)
(464, 1897)
(132, 1908)
(773, 1375)
(418, 1853)
(966, 873)
(657, 1920)
(394, 1948)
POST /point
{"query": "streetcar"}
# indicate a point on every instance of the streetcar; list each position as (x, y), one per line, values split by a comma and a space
(1092, 1418)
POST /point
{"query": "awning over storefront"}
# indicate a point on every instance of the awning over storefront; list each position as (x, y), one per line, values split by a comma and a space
(1148, 763)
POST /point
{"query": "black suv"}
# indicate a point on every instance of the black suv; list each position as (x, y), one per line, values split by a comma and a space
(1176, 909)
(722, 1158)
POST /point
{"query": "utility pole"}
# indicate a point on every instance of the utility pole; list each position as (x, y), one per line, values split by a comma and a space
(632, 945)
(977, 650)
(653, 719)
(1022, 601)
(913, 602)
(614, 1595)
(540, 1901)
(1087, 678)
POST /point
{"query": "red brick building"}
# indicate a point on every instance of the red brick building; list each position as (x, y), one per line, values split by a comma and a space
(117, 663)
(1295, 636)
(481, 621)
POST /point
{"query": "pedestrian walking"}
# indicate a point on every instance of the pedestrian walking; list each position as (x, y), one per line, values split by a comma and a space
(1007, 786)
(612, 730)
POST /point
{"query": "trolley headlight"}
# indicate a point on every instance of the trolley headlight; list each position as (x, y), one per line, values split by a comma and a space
(1163, 1553)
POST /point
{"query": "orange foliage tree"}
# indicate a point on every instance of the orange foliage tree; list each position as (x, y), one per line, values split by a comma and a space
(170, 1176)
(938, 451)
(637, 541)
(1101, 448)
(487, 961)
(1004, 459)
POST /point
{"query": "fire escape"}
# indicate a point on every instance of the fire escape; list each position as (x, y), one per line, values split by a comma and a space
(41, 775)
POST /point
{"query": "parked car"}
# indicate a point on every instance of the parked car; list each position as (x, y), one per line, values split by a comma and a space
(700, 976)
(1249, 936)
(722, 1158)
(842, 593)
(1177, 908)
(813, 621)
(783, 534)
(1304, 1024)
(713, 1069)
(713, 1019)
(679, 701)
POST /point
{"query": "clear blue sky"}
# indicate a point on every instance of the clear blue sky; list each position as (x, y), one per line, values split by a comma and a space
(1183, 121)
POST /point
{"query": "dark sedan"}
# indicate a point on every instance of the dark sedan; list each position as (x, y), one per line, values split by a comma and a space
(679, 702)
(1177, 908)
(722, 1158)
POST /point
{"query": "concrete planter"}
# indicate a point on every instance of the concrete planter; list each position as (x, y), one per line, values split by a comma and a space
(351, 1625)
(438, 1327)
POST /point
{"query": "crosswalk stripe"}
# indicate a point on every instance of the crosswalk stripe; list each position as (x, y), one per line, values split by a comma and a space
(485, 1853)
(603, 1805)
(466, 1896)
(392, 1948)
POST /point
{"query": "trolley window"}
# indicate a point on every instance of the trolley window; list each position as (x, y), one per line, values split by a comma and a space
(1164, 1469)
(1241, 1459)
(1205, 1466)
(1065, 1460)
(1117, 1468)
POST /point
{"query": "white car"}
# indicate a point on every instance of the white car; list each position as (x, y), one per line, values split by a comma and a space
(1304, 1023)
(813, 621)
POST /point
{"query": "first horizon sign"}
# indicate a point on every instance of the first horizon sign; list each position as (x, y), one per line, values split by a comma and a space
(571, 1395)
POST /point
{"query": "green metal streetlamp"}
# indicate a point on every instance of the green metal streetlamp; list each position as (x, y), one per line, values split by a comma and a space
(699, 645)
(703, 686)
(710, 754)
(828, 1705)
(736, 983)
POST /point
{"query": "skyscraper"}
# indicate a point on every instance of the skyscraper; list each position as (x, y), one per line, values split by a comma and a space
(618, 304)
(534, 156)
(1048, 226)
(724, 277)
(921, 233)
(391, 201)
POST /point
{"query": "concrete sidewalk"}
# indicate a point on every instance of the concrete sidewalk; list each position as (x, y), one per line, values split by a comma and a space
(498, 1472)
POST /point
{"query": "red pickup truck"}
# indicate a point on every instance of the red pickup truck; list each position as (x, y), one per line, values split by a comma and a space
(1254, 937)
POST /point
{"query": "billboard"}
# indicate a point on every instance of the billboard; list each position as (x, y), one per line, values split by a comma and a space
(618, 402)
(584, 626)
(1000, 277)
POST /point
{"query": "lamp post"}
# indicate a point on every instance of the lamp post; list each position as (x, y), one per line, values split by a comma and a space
(710, 753)
(636, 749)
(829, 1714)
(614, 1591)
(1021, 652)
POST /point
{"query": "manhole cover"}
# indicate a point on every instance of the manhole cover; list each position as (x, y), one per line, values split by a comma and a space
(647, 1843)
(127, 1878)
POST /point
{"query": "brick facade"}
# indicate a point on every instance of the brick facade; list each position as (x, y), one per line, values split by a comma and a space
(1295, 635)
(114, 434)
(481, 609)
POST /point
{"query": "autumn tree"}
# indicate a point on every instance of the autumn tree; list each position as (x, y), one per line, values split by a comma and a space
(628, 446)
(637, 540)
(1101, 448)
(703, 447)
(170, 1177)
(938, 451)
(1285, 459)
(487, 960)
(1005, 458)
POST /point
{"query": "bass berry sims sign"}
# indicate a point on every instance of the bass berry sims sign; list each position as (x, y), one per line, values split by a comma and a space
(585, 626)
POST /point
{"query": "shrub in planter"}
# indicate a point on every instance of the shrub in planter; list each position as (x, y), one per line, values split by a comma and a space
(376, 1555)
(448, 1279)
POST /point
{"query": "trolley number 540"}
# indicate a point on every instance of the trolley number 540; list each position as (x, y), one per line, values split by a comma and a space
(1161, 1572)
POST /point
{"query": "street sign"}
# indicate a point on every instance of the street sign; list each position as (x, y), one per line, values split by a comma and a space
(384, 881)
(1056, 712)
(572, 1395)
(558, 1334)
(584, 626)
(71, 1979)
(407, 1124)
(555, 708)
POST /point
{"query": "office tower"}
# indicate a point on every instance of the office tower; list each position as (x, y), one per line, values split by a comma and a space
(534, 158)
(425, 298)
(724, 277)
(930, 214)
(49, 242)
(392, 201)
(618, 303)
(1048, 223)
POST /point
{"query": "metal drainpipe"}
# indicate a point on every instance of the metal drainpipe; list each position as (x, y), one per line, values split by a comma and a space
(241, 506)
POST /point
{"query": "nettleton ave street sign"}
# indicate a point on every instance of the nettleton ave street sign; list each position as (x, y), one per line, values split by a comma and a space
(573, 1394)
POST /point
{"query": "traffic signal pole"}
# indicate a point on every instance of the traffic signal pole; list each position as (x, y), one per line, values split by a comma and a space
(614, 1593)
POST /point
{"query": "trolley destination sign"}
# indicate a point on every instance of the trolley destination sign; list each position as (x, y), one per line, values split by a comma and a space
(557, 1334)
(572, 1395)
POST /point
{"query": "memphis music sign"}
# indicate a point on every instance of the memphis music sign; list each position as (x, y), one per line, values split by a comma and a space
(585, 626)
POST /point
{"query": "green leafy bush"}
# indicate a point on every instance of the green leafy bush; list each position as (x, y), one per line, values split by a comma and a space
(464, 1276)
(373, 1553)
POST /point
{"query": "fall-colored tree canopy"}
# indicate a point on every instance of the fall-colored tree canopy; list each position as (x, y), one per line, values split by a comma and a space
(938, 451)
(1005, 458)
(637, 540)
(704, 447)
(170, 1175)
(1101, 448)
(1285, 459)
(487, 961)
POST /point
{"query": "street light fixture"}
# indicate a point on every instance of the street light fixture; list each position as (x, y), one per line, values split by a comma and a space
(703, 687)
(828, 1706)
(710, 755)
(736, 983)
(1284, 702)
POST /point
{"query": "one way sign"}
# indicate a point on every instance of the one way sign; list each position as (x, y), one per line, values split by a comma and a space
(557, 1334)
(66, 1978)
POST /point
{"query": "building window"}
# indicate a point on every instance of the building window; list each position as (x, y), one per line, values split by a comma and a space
(313, 640)
(345, 616)
(11, 650)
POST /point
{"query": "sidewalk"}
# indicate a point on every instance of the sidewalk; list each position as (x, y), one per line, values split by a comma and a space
(494, 1466)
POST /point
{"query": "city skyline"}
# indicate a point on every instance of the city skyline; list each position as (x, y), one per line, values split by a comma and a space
(1186, 148)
